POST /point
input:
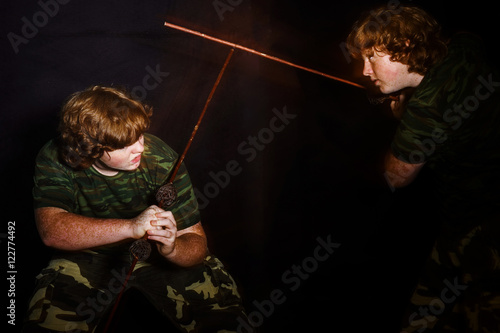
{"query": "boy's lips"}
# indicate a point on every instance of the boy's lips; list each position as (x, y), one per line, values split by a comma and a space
(137, 159)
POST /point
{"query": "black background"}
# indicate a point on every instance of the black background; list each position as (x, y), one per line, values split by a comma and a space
(318, 176)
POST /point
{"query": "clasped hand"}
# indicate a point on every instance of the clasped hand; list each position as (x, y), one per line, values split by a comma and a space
(397, 107)
(160, 226)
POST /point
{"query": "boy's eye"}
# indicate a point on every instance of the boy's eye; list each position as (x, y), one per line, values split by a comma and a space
(370, 56)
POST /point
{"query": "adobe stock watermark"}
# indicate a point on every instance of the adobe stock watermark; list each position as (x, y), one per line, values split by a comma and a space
(92, 307)
(30, 27)
(375, 24)
(454, 117)
(222, 6)
(150, 81)
(436, 306)
(248, 148)
(292, 279)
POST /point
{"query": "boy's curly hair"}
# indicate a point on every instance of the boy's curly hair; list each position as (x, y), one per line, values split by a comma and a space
(99, 119)
(407, 33)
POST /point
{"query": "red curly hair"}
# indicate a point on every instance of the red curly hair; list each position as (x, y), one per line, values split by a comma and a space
(99, 119)
(407, 33)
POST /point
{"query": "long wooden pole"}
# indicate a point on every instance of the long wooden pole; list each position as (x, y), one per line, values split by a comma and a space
(247, 49)
(181, 158)
(171, 179)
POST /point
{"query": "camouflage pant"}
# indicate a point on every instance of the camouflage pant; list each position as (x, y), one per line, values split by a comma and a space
(76, 291)
(460, 289)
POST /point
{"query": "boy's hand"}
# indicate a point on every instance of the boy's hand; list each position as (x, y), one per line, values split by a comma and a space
(144, 221)
(164, 232)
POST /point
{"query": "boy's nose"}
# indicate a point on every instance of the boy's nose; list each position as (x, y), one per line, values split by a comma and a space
(138, 146)
(367, 68)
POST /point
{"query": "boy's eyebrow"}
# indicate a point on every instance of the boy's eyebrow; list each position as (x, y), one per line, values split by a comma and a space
(367, 52)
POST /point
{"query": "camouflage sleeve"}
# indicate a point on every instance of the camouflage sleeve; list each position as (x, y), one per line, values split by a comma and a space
(435, 112)
(185, 210)
(52, 182)
(419, 134)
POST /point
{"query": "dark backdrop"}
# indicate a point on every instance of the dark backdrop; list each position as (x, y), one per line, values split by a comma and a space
(311, 177)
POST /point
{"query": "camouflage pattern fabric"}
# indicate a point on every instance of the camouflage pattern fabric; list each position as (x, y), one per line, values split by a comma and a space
(125, 195)
(451, 122)
(76, 292)
(460, 290)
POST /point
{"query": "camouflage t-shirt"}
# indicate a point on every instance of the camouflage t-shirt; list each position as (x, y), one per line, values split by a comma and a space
(124, 195)
(452, 122)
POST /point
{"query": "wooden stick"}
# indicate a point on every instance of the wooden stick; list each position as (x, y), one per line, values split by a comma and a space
(181, 158)
(124, 285)
(171, 179)
(236, 46)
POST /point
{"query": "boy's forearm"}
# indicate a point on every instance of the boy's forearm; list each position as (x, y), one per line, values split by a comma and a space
(71, 232)
(190, 249)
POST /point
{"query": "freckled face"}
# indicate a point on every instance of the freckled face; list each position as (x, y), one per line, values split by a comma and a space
(125, 159)
(389, 76)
